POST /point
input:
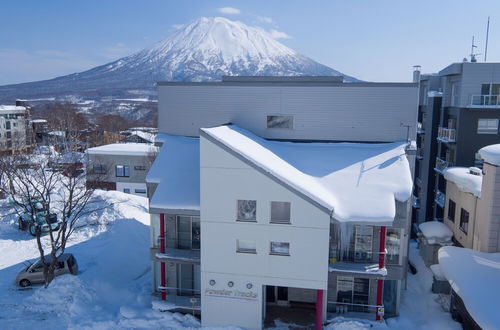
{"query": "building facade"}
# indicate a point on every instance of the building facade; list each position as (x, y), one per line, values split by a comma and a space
(459, 113)
(226, 232)
(120, 166)
(15, 133)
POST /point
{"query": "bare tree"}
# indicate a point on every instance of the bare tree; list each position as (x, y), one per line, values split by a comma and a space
(46, 202)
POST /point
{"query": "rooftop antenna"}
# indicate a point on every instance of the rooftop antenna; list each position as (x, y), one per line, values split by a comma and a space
(472, 54)
(487, 34)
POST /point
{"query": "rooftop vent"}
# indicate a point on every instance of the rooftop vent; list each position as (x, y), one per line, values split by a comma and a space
(475, 171)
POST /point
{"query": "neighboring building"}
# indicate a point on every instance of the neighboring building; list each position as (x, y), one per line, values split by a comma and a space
(459, 113)
(15, 133)
(282, 230)
(473, 202)
(120, 166)
(139, 137)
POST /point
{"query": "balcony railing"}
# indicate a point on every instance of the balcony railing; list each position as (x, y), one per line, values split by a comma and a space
(442, 165)
(440, 198)
(363, 311)
(446, 134)
(420, 128)
(416, 202)
(486, 101)
(420, 153)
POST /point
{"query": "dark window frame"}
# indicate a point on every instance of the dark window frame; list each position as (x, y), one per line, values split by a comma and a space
(122, 171)
(464, 220)
(451, 214)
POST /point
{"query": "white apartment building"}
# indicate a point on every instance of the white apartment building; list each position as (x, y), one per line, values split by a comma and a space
(13, 128)
(281, 196)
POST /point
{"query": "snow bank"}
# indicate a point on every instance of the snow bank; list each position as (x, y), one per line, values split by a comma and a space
(338, 176)
(491, 154)
(129, 149)
(474, 276)
(436, 232)
(465, 181)
(176, 170)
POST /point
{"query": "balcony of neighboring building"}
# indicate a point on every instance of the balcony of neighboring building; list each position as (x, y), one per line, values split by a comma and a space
(484, 101)
(440, 198)
(447, 135)
(420, 128)
(420, 154)
(442, 164)
(416, 202)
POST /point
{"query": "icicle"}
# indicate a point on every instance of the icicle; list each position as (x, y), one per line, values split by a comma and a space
(345, 234)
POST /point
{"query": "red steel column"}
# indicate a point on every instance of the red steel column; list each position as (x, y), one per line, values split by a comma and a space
(161, 241)
(319, 309)
(381, 264)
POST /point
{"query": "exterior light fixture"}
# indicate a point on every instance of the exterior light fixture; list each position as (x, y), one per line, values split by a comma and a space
(249, 286)
(212, 282)
(230, 284)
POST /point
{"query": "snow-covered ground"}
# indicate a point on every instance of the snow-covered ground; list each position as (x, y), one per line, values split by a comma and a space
(112, 289)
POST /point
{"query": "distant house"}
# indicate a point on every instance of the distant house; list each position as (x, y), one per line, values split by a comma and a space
(120, 166)
(139, 137)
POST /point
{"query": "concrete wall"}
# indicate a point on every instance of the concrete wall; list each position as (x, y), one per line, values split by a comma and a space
(341, 112)
(224, 180)
(468, 202)
(488, 211)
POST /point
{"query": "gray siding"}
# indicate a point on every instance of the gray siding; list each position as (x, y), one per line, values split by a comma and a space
(136, 176)
(473, 76)
(335, 113)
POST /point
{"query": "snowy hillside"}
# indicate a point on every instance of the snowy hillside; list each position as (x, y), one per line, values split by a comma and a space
(204, 50)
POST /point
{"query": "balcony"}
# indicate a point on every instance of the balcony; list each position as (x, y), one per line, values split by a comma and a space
(446, 135)
(420, 154)
(176, 255)
(420, 128)
(485, 101)
(442, 165)
(368, 270)
(440, 198)
(416, 202)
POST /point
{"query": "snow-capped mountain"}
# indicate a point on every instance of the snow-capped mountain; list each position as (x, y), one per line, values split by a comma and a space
(204, 50)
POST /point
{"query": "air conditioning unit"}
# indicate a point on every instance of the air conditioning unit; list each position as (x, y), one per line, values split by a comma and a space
(475, 171)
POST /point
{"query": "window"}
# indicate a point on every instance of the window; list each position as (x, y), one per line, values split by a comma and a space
(393, 245)
(464, 221)
(451, 210)
(487, 126)
(363, 243)
(280, 122)
(122, 171)
(15, 124)
(280, 212)
(7, 124)
(247, 210)
(353, 293)
(245, 246)
(454, 94)
(280, 248)
(139, 168)
(188, 232)
(100, 169)
(126, 190)
(9, 135)
(140, 191)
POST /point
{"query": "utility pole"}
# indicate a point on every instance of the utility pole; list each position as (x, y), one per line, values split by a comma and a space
(487, 34)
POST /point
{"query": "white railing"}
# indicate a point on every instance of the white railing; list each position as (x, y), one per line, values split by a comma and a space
(446, 134)
(420, 128)
(442, 164)
(440, 198)
(485, 101)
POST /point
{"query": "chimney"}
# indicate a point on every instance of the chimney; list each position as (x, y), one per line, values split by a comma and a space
(416, 73)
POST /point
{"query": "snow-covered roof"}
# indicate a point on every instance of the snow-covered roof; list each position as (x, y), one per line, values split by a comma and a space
(128, 149)
(337, 177)
(176, 169)
(474, 276)
(436, 232)
(38, 121)
(434, 94)
(464, 180)
(491, 154)
(12, 108)
(144, 135)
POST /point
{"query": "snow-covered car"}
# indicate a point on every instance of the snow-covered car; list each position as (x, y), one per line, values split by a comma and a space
(37, 214)
(33, 273)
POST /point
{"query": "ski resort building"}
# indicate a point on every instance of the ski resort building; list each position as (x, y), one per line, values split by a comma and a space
(120, 166)
(282, 197)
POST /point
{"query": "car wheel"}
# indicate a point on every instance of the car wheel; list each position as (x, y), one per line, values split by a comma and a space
(25, 283)
(32, 230)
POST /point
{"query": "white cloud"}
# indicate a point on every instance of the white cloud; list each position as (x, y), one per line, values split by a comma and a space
(265, 19)
(229, 11)
(177, 26)
(279, 34)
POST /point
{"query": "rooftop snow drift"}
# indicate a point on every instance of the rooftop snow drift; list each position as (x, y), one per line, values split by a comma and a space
(129, 149)
(464, 180)
(354, 182)
(491, 154)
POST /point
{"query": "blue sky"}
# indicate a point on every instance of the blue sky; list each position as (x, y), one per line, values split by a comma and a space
(374, 40)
